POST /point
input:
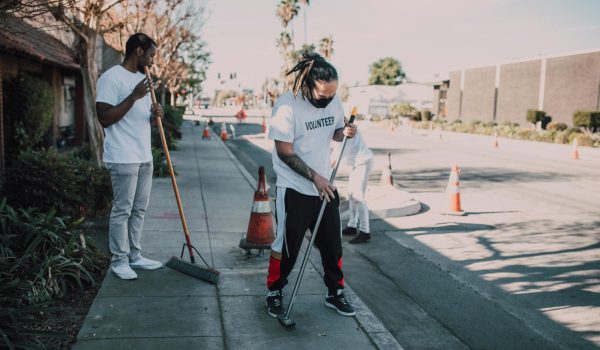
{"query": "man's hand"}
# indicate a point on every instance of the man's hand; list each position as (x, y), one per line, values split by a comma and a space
(324, 187)
(141, 89)
(157, 111)
(350, 130)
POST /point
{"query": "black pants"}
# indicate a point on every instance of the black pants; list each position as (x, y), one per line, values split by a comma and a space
(301, 212)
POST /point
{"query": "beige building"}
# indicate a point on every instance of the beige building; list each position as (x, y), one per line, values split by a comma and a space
(558, 85)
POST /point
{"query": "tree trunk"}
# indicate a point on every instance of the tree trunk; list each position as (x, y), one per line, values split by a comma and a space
(163, 95)
(89, 72)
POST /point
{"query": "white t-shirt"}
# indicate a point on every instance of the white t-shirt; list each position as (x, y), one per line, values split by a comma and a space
(309, 130)
(128, 140)
(356, 151)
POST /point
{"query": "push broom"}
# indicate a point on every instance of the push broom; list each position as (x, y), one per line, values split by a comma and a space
(189, 268)
(284, 318)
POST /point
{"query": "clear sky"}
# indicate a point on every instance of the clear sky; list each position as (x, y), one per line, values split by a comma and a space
(426, 36)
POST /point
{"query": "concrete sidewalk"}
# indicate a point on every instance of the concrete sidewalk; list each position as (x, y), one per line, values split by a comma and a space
(165, 309)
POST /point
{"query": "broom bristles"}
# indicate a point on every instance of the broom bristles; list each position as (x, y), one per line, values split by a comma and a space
(204, 273)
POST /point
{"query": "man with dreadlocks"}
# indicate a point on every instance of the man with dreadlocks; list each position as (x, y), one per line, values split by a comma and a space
(304, 121)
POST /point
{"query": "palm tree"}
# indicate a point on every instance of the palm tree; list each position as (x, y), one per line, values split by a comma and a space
(287, 10)
(326, 47)
(284, 41)
(306, 3)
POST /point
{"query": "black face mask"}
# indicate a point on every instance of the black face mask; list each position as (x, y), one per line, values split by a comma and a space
(320, 103)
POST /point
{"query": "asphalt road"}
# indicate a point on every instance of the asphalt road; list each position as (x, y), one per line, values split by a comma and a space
(520, 271)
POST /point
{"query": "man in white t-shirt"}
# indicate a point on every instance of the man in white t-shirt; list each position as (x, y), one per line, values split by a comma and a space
(125, 111)
(302, 127)
(360, 158)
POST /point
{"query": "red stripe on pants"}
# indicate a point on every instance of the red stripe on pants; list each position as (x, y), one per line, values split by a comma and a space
(274, 271)
(341, 281)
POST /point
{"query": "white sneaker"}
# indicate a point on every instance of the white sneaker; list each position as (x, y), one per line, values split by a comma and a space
(146, 264)
(124, 272)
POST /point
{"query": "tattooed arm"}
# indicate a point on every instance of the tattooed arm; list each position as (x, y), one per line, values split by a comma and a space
(286, 153)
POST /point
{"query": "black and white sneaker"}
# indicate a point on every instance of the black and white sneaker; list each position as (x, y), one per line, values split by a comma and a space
(340, 304)
(274, 303)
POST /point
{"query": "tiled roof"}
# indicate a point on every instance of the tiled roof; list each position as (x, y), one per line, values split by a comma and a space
(22, 39)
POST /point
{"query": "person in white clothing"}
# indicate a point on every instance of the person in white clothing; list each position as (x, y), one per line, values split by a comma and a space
(125, 111)
(303, 124)
(358, 156)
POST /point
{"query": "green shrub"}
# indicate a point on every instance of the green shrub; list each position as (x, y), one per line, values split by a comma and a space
(161, 169)
(402, 109)
(573, 135)
(29, 106)
(65, 183)
(545, 136)
(582, 139)
(416, 116)
(587, 119)
(534, 116)
(426, 115)
(169, 137)
(508, 124)
(44, 256)
(561, 137)
(526, 134)
(173, 120)
(557, 126)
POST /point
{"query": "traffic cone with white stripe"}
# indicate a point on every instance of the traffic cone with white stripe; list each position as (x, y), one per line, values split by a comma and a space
(453, 190)
(206, 132)
(260, 232)
(223, 132)
(386, 175)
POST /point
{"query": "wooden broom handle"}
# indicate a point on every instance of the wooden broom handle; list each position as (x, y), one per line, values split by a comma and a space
(170, 165)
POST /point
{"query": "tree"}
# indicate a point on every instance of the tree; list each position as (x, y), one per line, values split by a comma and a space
(89, 21)
(181, 59)
(306, 4)
(326, 47)
(386, 71)
(171, 22)
(284, 42)
(287, 10)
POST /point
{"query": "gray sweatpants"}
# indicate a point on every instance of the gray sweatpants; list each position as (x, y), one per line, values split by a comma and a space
(131, 184)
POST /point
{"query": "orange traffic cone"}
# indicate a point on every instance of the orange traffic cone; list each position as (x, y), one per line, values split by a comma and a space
(453, 190)
(206, 132)
(260, 232)
(223, 132)
(575, 154)
(386, 175)
(264, 125)
(495, 144)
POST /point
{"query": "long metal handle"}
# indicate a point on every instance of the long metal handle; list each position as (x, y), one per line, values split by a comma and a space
(171, 172)
(316, 227)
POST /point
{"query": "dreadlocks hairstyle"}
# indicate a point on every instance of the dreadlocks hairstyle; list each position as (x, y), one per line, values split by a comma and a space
(310, 68)
(138, 40)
